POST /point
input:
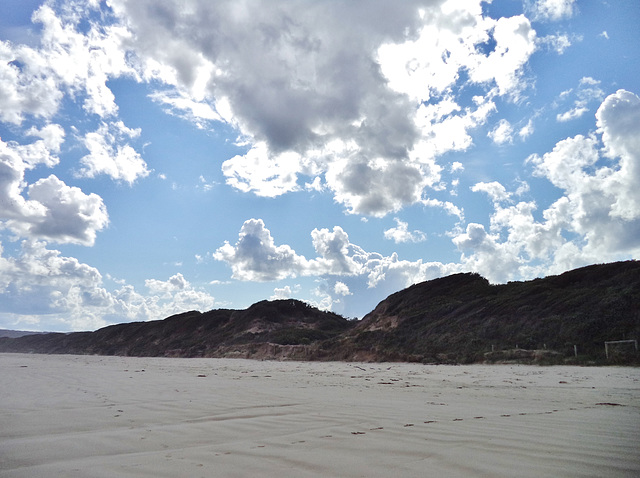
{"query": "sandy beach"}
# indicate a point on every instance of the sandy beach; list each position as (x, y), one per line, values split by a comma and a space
(91, 416)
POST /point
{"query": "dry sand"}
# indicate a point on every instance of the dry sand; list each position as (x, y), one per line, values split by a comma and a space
(89, 416)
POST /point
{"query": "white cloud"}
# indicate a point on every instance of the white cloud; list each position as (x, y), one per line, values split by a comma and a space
(502, 132)
(256, 257)
(33, 81)
(40, 152)
(204, 184)
(559, 42)
(587, 92)
(401, 233)
(551, 10)
(456, 166)
(293, 91)
(110, 154)
(165, 289)
(71, 215)
(175, 295)
(494, 190)
(48, 291)
(527, 130)
(340, 288)
(597, 219)
(281, 293)
(53, 210)
(571, 114)
(262, 173)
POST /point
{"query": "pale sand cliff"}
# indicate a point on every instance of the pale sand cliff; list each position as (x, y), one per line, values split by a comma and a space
(89, 416)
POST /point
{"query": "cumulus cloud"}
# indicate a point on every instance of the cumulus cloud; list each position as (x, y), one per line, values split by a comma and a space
(596, 219)
(34, 80)
(110, 154)
(496, 191)
(401, 233)
(52, 210)
(307, 107)
(280, 293)
(502, 132)
(340, 288)
(71, 215)
(256, 257)
(175, 295)
(42, 289)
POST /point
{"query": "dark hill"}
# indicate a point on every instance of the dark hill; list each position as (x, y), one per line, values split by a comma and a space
(460, 318)
(215, 333)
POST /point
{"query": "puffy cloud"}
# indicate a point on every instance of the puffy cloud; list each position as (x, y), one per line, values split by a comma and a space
(502, 132)
(109, 154)
(165, 289)
(256, 257)
(453, 38)
(42, 282)
(259, 172)
(597, 219)
(71, 215)
(484, 253)
(401, 233)
(376, 187)
(338, 255)
(43, 290)
(54, 211)
(282, 293)
(494, 190)
(175, 295)
(42, 151)
(457, 166)
(340, 288)
(293, 91)
(33, 81)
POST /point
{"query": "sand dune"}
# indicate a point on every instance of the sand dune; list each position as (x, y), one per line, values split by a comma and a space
(89, 416)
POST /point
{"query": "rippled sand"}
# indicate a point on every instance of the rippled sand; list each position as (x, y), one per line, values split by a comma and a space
(89, 416)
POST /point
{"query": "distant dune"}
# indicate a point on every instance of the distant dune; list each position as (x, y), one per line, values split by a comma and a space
(456, 319)
(12, 334)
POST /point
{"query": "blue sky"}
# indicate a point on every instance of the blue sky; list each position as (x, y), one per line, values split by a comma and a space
(163, 156)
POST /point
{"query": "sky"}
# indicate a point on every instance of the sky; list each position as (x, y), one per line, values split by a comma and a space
(160, 156)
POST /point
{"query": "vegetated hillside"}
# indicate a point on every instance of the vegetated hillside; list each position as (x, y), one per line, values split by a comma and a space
(264, 329)
(460, 318)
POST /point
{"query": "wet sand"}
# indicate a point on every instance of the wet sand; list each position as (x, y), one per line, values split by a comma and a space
(90, 416)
